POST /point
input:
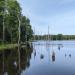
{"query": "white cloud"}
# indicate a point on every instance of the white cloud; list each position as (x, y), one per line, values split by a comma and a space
(59, 14)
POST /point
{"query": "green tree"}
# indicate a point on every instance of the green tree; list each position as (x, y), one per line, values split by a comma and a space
(11, 19)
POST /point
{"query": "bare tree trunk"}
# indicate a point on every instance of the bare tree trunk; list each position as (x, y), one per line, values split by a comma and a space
(19, 42)
(48, 34)
(3, 38)
(34, 34)
(3, 30)
(19, 30)
(11, 36)
(5, 5)
(26, 34)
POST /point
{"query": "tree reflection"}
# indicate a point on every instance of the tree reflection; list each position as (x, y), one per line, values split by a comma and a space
(34, 54)
(53, 56)
(11, 63)
(70, 55)
(60, 46)
(41, 56)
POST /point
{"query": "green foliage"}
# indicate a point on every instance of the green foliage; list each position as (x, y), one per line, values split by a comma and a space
(59, 37)
(54, 37)
(11, 11)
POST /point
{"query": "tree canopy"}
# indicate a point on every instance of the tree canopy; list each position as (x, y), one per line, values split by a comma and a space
(10, 11)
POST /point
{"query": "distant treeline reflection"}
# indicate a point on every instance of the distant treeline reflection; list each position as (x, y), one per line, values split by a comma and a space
(54, 37)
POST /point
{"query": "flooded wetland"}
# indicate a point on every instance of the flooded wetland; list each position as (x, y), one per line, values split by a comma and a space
(42, 58)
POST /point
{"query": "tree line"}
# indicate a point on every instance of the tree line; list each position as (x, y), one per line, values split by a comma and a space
(10, 14)
(54, 37)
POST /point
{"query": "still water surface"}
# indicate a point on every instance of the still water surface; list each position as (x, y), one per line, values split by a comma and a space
(43, 58)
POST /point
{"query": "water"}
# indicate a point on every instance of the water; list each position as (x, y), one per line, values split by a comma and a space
(11, 59)
(43, 58)
(58, 58)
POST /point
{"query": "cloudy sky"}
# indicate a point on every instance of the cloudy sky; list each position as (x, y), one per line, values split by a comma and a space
(59, 15)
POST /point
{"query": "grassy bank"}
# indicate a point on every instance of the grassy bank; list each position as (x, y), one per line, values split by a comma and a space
(8, 46)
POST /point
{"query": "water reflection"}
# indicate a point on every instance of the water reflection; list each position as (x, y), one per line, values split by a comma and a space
(65, 55)
(53, 56)
(48, 50)
(60, 46)
(34, 54)
(41, 56)
(70, 55)
(34, 51)
(9, 61)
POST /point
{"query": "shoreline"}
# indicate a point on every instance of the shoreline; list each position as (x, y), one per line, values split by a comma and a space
(8, 46)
